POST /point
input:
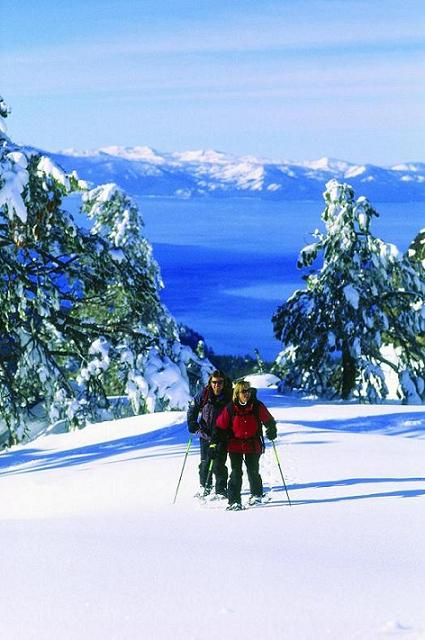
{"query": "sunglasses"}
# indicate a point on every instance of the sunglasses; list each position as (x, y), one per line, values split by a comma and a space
(219, 382)
(246, 391)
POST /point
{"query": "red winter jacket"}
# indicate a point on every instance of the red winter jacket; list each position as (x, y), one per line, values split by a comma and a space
(243, 427)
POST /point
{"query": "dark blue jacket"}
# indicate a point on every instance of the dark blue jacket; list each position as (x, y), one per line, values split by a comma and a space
(205, 408)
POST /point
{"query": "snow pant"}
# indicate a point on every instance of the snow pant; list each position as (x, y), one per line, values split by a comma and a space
(252, 462)
(219, 468)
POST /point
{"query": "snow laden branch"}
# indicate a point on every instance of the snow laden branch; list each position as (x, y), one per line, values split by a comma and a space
(361, 315)
(80, 313)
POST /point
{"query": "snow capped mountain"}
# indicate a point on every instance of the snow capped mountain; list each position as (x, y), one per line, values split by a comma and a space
(352, 172)
(410, 166)
(141, 170)
(202, 156)
(134, 153)
(326, 164)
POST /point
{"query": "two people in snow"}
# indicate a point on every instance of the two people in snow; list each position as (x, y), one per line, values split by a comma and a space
(230, 422)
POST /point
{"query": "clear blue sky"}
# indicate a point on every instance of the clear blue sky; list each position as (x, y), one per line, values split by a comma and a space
(285, 79)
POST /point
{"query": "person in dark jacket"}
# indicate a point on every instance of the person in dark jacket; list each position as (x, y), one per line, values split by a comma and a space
(241, 425)
(202, 414)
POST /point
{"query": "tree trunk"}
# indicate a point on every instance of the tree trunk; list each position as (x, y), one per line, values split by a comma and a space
(348, 372)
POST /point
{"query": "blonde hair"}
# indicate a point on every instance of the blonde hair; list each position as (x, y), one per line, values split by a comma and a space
(239, 386)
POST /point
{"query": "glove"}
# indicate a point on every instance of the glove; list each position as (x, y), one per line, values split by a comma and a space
(193, 427)
(212, 451)
(203, 434)
(271, 431)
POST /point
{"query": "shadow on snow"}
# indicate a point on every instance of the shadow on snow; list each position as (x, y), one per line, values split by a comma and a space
(346, 482)
(173, 441)
(408, 425)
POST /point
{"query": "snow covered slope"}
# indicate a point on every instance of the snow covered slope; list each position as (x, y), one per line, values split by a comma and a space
(93, 548)
(145, 171)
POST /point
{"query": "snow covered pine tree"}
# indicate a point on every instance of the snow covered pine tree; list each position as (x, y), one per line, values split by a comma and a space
(361, 311)
(416, 251)
(80, 314)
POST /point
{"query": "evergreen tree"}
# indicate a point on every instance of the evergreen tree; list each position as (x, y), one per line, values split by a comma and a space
(416, 255)
(366, 296)
(416, 251)
(80, 313)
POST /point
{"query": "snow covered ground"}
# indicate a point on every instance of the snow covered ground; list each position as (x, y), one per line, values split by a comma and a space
(92, 546)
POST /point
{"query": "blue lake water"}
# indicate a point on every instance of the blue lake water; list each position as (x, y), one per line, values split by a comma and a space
(228, 263)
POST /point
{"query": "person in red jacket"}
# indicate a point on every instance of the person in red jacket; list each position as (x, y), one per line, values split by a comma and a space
(241, 424)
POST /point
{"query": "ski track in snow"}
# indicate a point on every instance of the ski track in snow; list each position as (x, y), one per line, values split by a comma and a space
(92, 546)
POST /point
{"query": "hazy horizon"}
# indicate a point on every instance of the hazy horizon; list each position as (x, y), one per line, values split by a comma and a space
(294, 80)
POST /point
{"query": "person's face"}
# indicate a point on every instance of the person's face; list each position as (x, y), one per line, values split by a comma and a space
(217, 385)
(244, 394)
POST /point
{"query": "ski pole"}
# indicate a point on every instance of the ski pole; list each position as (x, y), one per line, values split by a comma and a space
(184, 463)
(281, 474)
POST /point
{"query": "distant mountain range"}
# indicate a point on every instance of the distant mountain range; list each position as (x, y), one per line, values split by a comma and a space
(142, 171)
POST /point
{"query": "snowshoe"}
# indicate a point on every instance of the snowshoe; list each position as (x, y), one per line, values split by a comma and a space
(256, 500)
(266, 497)
(236, 506)
(202, 492)
(218, 496)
